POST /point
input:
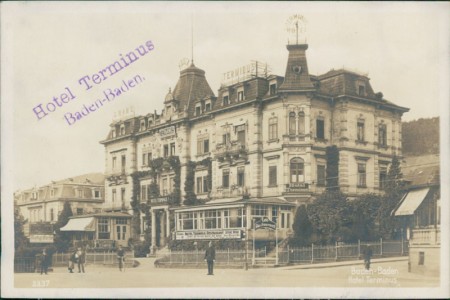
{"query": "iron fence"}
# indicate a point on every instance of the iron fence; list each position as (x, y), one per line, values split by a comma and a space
(101, 258)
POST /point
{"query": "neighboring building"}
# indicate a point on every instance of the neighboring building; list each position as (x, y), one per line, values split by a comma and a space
(420, 210)
(256, 150)
(42, 205)
(99, 230)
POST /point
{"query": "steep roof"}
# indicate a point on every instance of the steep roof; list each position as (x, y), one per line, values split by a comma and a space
(421, 170)
(191, 87)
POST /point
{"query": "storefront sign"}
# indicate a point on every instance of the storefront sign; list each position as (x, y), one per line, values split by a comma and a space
(167, 131)
(209, 234)
(41, 238)
(265, 223)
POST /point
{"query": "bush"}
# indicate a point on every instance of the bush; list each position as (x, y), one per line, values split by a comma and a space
(141, 249)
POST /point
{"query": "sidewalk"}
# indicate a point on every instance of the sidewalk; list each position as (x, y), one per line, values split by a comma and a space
(344, 263)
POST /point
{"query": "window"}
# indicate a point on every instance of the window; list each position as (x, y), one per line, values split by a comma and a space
(292, 123)
(296, 167)
(202, 146)
(361, 90)
(273, 89)
(421, 258)
(360, 131)
(52, 215)
(361, 175)
(80, 193)
(122, 195)
(172, 148)
(144, 159)
(124, 162)
(164, 187)
(213, 220)
(273, 128)
(113, 133)
(226, 138)
(382, 139)
(241, 134)
(242, 217)
(274, 213)
(259, 211)
(52, 193)
(320, 175)
(122, 129)
(205, 184)
(240, 95)
(226, 178)
(226, 101)
(114, 162)
(114, 195)
(79, 211)
(320, 129)
(166, 150)
(301, 123)
(142, 125)
(272, 175)
(144, 192)
(241, 176)
(226, 219)
(207, 106)
(382, 177)
(149, 158)
(103, 229)
(199, 185)
(197, 110)
(187, 221)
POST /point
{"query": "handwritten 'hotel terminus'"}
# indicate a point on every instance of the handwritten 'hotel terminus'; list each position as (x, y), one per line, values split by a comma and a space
(87, 82)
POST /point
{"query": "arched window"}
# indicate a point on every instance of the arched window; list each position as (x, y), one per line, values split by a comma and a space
(292, 123)
(301, 123)
(297, 170)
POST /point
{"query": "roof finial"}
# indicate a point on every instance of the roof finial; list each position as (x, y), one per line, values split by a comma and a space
(192, 39)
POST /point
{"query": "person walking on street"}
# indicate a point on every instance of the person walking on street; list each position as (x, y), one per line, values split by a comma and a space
(210, 258)
(81, 259)
(367, 256)
(44, 262)
(121, 258)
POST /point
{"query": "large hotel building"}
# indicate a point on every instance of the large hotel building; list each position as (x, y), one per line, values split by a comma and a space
(209, 165)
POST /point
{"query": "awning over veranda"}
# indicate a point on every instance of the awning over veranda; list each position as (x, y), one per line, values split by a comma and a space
(411, 202)
(79, 224)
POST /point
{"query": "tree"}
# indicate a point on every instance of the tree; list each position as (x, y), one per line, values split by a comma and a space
(332, 170)
(190, 197)
(62, 239)
(364, 213)
(394, 190)
(20, 241)
(329, 214)
(303, 228)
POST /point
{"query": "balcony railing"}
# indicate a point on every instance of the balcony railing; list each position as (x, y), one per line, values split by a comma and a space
(426, 236)
(233, 149)
(233, 191)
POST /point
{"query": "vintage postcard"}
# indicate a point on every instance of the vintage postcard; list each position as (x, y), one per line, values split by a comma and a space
(225, 150)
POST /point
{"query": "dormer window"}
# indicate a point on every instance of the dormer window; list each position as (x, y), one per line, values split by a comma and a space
(113, 133)
(207, 106)
(361, 90)
(198, 110)
(226, 100)
(122, 129)
(142, 125)
(240, 95)
(273, 89)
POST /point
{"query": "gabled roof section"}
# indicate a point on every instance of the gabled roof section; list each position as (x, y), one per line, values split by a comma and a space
(191, 87)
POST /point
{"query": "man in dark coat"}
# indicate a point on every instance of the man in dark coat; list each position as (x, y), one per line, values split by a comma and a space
(81, 259)
(367, 256)
(121, 258)
(44, 262)
(210, 257)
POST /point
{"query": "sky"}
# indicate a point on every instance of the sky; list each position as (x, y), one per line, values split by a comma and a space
(48, 47)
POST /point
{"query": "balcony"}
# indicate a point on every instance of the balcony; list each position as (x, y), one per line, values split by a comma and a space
(231, 150)
(426, 236)
(232, 191)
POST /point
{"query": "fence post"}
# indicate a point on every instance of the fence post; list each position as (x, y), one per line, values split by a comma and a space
(402, 246)
(288, 253)
(228, 259)
(182, 257)
(104, 256)
(336, 251)
(381, 246)
(359, 248)
(95, 254)
(312, 252)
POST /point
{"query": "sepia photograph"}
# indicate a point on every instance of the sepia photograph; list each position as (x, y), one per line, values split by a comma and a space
(225, 149)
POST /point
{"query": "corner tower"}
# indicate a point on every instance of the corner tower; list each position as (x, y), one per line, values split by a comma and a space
(297, 76)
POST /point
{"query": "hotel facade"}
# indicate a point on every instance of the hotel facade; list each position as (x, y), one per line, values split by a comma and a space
(209, 166)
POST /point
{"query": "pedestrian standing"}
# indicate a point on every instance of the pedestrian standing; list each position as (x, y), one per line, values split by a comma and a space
(121, 258)
(72, 260)
(210, 258)
(367, 256)
(81, 259)
(44, 262)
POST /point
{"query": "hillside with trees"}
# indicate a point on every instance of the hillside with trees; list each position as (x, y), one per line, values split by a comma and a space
(420, 137)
